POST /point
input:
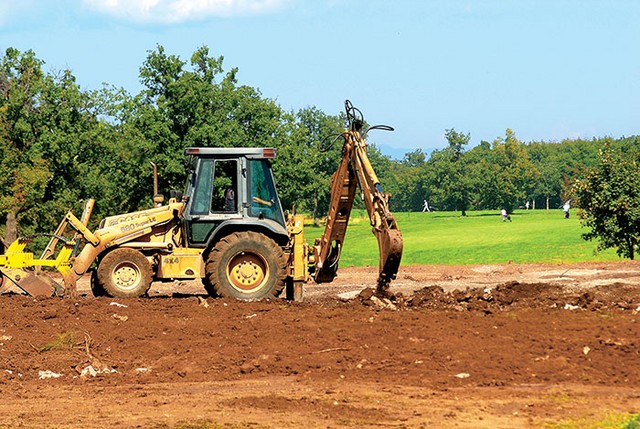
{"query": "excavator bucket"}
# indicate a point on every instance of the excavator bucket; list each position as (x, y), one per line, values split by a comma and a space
(390, 245)
(28, 282)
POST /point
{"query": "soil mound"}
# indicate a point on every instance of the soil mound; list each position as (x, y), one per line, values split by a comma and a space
(514, 295)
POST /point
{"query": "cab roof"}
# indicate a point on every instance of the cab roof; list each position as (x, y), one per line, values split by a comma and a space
(221, 152)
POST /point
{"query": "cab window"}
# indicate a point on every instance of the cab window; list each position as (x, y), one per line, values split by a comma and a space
(202, 191)
(224, 198)
(263, 198)
(216, 187)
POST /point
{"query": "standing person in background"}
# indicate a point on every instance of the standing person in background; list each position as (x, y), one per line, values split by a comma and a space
(565, 209)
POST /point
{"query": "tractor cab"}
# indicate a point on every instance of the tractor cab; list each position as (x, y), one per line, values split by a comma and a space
(231, 188)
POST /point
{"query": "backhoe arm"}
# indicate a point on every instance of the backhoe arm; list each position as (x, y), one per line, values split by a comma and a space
(355, 167)
(328, 247)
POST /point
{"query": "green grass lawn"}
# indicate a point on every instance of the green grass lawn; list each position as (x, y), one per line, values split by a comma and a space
(479, 238)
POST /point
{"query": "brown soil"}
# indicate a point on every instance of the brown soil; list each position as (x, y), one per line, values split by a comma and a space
(500, 346)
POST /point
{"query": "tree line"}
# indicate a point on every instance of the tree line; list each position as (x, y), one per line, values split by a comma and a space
(506, 173)
(61, 144)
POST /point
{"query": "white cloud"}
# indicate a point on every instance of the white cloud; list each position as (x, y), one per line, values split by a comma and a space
(176, 11)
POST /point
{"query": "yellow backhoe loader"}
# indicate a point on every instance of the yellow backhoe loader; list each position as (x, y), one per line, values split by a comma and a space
(228, 230)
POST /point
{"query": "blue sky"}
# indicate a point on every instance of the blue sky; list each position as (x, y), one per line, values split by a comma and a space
(547, 69)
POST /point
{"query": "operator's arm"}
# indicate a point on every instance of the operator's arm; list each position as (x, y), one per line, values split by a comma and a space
(263, 202)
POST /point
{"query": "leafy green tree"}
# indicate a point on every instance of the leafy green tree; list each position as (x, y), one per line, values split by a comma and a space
(512, 170)
(308, 154)
(197, 104)
(45, 120)
(409, 182)
(481, 181)
(609, 201)
(56, 151)
(549, 184)
(452, 185)
(24, 173)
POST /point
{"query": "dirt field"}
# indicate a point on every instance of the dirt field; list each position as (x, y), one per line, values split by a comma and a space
(501, 346)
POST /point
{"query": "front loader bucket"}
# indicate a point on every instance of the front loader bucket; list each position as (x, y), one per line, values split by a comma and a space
(29, 283)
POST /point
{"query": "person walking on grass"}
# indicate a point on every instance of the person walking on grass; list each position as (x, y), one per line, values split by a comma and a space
(505, 216)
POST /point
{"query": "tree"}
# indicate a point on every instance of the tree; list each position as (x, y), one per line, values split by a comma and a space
(24, 173)
(56, 151)
(197, 104)
(609, 201)
(45, 119)
(477, 172)
(512, 170)
(452, 185)
(307, 157)
(408, 182)
(549, 184)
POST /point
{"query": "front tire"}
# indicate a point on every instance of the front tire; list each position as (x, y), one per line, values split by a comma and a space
(247, 266)
(96, 287)
(124, 273)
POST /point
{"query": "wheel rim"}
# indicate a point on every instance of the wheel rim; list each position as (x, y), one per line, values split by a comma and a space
(247, 271)
(126, 276)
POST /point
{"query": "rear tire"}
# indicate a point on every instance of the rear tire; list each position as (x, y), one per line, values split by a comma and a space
(124, 273)
(247, 266)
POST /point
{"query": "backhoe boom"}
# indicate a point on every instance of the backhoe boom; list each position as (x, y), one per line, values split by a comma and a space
(355, 167)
